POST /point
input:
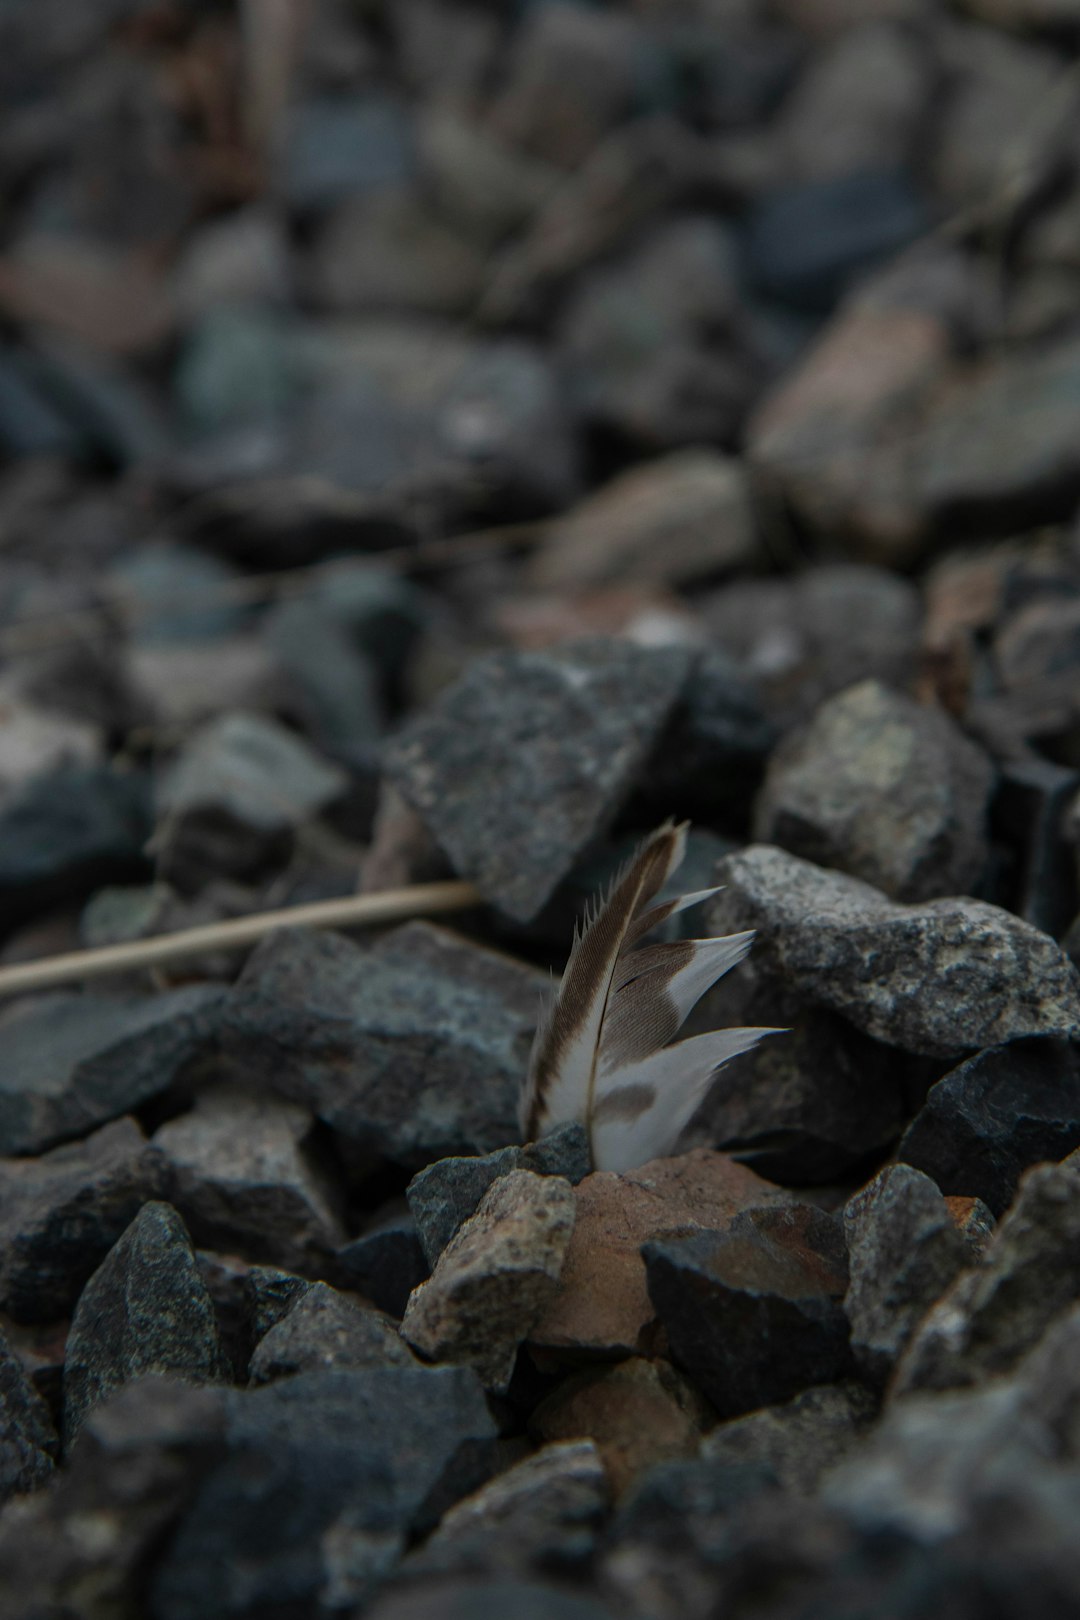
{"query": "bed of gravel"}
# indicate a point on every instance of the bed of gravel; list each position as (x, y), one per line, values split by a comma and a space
(448, 448)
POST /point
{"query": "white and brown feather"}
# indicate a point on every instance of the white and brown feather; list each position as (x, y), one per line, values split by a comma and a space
(601, 1055)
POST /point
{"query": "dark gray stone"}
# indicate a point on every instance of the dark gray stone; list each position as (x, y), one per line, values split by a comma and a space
(325, 1328)
(338, 146)
(806, 244)
(176, 593)
(145, 1310)
(798, 1442)
(753, 1314)
(326, 1475)
(234, 797)
(72, 1062)
(939, 979)
(443, 1196)
(489, 1598)
(241, 1171)
(885, 789)
(544, 1513)
(410, 1050)
(1030, 812)
(331, 686)
(571, 729)
(28, 1441)
(992, 1315)
(137, 1464)
(385, 1263)
(60, 1214)
(986, 1121)
(904, 1250)
(67, 833)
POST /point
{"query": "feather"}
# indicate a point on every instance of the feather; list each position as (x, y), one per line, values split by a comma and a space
(601, 1053)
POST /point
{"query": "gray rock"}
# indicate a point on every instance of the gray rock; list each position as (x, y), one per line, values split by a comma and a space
(326, 1475)
(496, 1278)
(176, 593)
(392, 251)
(340, 146)
(145, 1310)
(138, 1461)
(331, 686)
(325, 1328)
(241, 1172)
(569, 729)
(28, 1441)
(542, 1513)
(987, 1120)
(753, 1314)
(66, 833)
(236, 794)
(72, 1062)
(442, 1197)
(60, 1214)
(1028, 1274)
(1029, 810)
(885, 789)
(410, 1050)
(904, 1250)
(798, 1442)
(489, 1598)
(939, 979)
(385, 1263)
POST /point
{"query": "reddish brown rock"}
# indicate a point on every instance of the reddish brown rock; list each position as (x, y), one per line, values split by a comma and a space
(603, 1304)
(638, 1413)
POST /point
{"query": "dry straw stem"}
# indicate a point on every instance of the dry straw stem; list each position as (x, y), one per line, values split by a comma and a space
(363, 910)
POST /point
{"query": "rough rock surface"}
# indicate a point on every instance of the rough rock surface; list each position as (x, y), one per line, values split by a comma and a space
(603, 1304)
(385, 1263)
(442, 1197)
(409, 1049)
(237, 1170)
(904, 1250)
(496, 1277)
(885, 789)
(28, 1441)
(569, 730)
(61, 1213)
(993, 1314)
(145, 1310)
(325, 1328)
(799, 1441)
(754, 1314)
(940, 979)
(72, 1062)
(987, 1120)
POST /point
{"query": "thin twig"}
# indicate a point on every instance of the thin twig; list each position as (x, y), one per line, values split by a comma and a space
(353, 911)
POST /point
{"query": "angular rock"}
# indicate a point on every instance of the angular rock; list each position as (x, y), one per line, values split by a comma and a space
(570, 729)
(145, 1310)
(904, 1250)
(807, 244)
(938, 979)
(236, 795)
(603, 1305)
(72, 1062)
(798, 1442)
(488, 1598)
(543, 1513)
(343, 145)
(35, 741)
(671, 521)
(325, 1328)
(496, 1278)
(385, 1263)
(882, 788)
(242, 1175)
(176, 594)
(28, 1441)
(332, 686)
(66, 833)
(986, 1121)
(60, 1214)
(488, 189)
(798, 641)
(442, 1197)
(326, 1474)
(1030, 811)
(638, 1413)
(410, 1049)
(992, 1315)
(753, 1314)
(392, 251)
(138, 1461)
